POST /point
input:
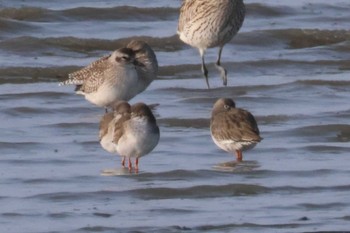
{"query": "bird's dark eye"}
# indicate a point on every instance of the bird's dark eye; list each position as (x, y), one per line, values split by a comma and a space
(227, 107)
(122, 58)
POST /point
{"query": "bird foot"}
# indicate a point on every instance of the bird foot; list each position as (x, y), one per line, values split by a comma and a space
(223, 74)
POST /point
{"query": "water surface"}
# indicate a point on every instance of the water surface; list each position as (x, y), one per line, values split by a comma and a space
(289, 65)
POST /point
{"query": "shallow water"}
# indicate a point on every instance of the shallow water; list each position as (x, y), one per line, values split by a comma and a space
(289, 65)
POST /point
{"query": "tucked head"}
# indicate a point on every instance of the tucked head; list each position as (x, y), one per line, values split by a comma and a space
(122, 107)
(142, 110)
(123, 56)
(137, 45)
(144, 54)
(223, 104)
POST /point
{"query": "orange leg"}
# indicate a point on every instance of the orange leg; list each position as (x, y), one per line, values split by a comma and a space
(129, 164)
(239, 155)
(137, 164)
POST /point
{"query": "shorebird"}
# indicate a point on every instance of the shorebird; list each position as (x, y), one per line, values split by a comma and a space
(206, 24)
(112, 122)
(146, 59)
(119, 76)
(138, 136)
(233, 129)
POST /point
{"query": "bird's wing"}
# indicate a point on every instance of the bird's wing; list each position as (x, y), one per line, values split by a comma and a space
(104, 122)
(242, 127)
(119, 127)
(88, 75)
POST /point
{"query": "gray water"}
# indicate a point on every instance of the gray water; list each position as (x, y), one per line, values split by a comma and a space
(289, 65)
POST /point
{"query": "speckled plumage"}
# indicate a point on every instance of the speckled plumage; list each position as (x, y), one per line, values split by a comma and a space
(233, 129)
(206, 24)
(119, 76)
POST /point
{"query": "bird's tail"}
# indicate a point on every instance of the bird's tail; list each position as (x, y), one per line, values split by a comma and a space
(70, 81)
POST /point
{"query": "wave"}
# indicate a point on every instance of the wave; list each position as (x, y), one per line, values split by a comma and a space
(203, 191)
(318, 130)
(257, 9)
(29, 43)
(20, 75)
(27, 14)
(127, 13)
(137, 13)
(293, 38)
(305, 38)
(282, 38)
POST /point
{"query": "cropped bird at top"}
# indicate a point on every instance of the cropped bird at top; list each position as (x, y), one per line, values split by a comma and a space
(206, 24)
(233, 129)
(119, 76)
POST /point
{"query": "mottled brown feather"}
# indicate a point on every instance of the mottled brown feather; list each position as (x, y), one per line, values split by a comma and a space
(123, 110)
(91, 71)
(230, 123)
(104, 122)
(142, 110)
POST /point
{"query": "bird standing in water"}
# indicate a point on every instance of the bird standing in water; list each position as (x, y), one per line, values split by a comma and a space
(206, 24)
(119, 76)
(138, 135)
(112, 122)
(233, 129)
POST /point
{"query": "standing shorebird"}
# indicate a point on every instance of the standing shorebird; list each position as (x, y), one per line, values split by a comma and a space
(233, 129)
(138, 136)
(112, 122)
(119, 76)
(206, 24)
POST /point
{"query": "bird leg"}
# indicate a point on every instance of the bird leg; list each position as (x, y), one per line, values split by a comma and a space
(223, 71)
(129, 164)
(239, 155)
(204, 68)
(123, 161)
(137, 165)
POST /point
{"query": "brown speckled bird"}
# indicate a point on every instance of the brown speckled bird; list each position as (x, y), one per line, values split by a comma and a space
(233, 129)
(119, 76)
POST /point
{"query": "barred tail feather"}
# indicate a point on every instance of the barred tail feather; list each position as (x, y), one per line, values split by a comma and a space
(67, 82)
(72, 80)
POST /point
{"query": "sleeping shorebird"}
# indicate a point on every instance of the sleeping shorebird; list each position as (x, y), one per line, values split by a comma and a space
(206, 24)
(111, 122)
(119, 76)
(138, 135)
(233, 129)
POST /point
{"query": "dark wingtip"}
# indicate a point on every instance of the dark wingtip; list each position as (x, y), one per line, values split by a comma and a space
(78, 87)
